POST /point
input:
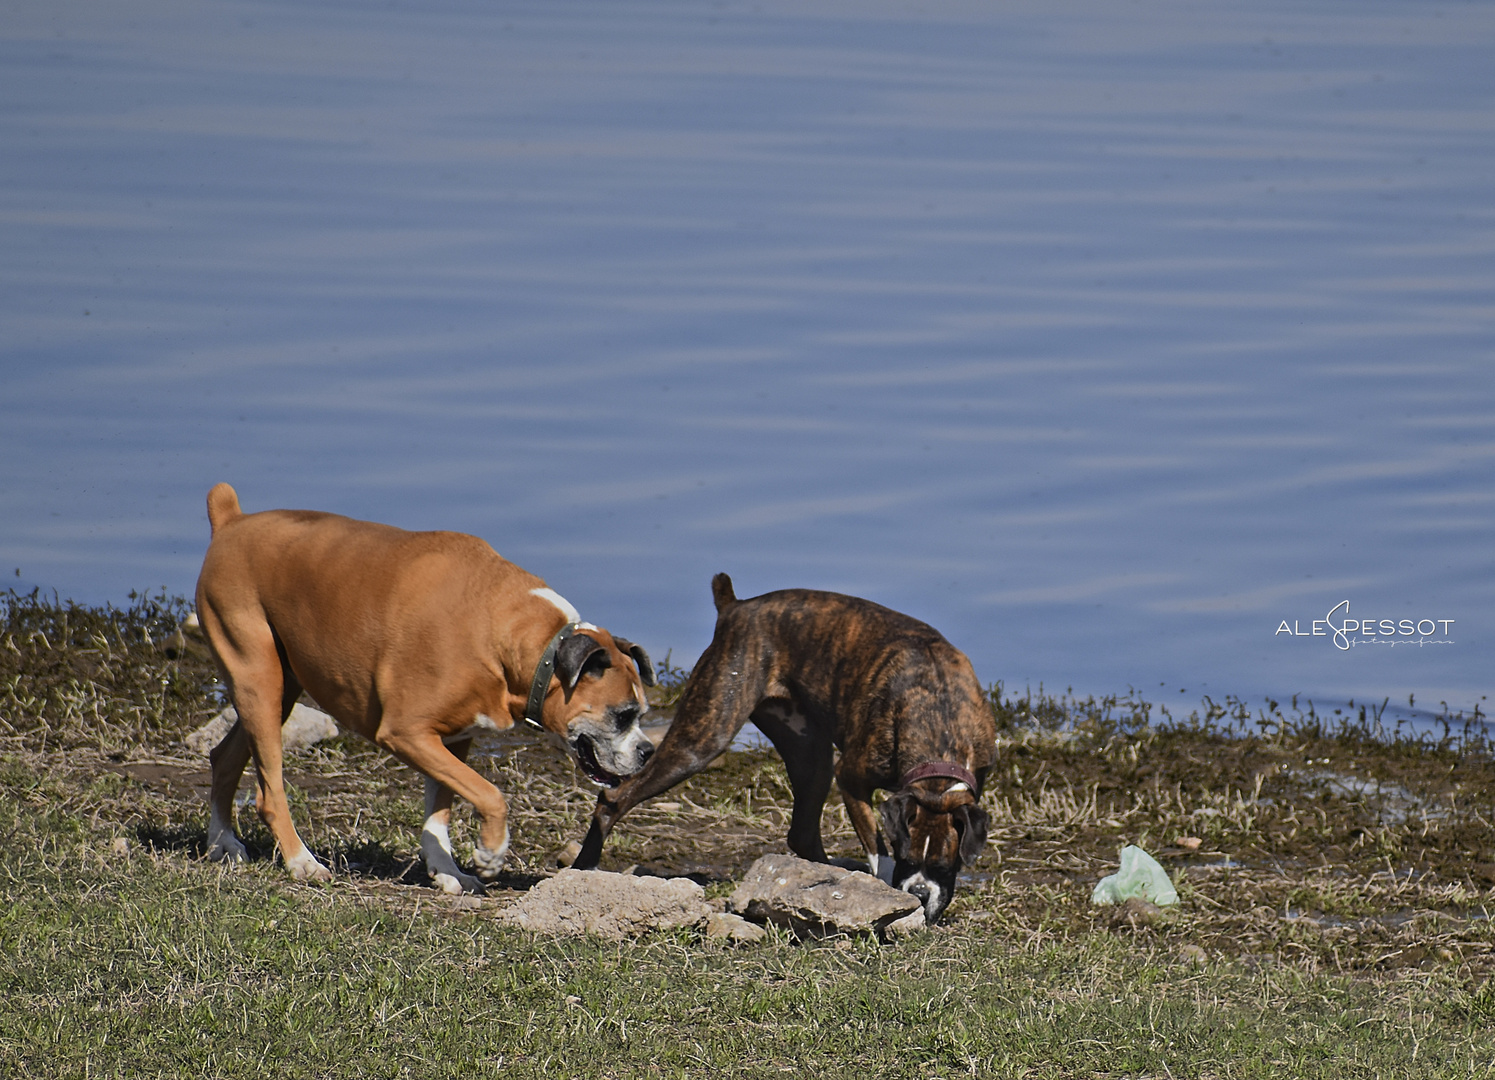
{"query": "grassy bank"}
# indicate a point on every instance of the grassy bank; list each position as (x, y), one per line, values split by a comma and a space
(1334, 918)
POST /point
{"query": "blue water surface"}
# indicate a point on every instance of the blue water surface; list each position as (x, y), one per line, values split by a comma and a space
(1108, 338)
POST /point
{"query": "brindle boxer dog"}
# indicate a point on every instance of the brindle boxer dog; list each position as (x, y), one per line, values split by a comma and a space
(415, 640)
(816, 671)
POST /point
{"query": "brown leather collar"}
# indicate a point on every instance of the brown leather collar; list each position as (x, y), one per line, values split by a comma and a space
(939, 768)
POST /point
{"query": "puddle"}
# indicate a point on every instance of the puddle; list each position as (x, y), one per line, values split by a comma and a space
(1393, 803)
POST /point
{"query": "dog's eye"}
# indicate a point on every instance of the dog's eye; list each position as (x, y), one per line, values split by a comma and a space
(625, 716)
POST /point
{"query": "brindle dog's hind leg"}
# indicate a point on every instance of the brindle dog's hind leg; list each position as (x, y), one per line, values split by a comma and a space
(806, 750)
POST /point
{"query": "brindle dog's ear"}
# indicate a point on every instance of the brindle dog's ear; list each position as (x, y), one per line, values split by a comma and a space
(572, 657)
(895, 810)
(641, 658)
(971, 819)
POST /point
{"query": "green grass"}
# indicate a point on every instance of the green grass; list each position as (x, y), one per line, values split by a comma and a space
(120, 965)
(122, 953)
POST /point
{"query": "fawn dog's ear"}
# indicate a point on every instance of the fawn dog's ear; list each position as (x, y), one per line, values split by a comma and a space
(574, 655)
(641, 658)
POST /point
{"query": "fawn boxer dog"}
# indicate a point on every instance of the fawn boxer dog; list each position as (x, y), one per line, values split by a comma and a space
(415, 640)
(815, 671)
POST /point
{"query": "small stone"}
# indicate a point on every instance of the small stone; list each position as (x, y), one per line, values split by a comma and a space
(567, 855)
(120, 847)
(466, 902)
(1189, 843)
(211, 734)
(911, 923)
(611, 906)
(304, 727)
(1193, 954)
(1138, 912)
(1139, 907)
(723, 924)
(818, 899)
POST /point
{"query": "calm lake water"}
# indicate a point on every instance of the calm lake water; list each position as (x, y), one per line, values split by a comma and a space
(1108, 338)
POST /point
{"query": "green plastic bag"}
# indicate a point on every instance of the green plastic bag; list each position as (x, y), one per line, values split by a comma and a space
(1140, 876)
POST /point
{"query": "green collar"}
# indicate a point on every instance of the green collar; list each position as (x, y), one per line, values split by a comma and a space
(543, 672)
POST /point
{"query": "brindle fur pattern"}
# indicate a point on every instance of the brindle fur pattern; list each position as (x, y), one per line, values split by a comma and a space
(819, 672)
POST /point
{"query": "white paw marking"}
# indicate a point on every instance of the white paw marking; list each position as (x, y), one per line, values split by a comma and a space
(437, 830)
(436, 849)
(489, 863)
(305, 867)
(227, 848)
(222, 843)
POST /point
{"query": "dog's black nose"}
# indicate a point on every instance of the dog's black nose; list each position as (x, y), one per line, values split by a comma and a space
(920, 890)
(645, 752)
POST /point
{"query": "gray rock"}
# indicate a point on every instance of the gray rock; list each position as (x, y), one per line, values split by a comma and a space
(817, 899)
(725, 925)
(304, 727)
(911, 923)
(612, 906)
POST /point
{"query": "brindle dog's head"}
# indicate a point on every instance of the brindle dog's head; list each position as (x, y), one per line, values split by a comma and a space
(602, 680)
(934, 828)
